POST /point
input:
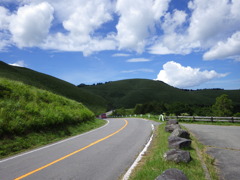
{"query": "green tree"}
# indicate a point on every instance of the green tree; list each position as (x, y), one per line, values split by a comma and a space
(223, 106)
(138, 109)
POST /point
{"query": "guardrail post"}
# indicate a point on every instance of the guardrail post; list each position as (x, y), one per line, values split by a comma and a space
(211, 119)
(232, 120)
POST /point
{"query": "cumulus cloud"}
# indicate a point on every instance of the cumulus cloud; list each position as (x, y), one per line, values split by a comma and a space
(200, 30)
(136, 22)
(30, 26)
(135, 60)
(86, 18)
(63, 42)
(228, 49)
(19, 64)
(81, 22)
(174, 40)
(184, 77)
(140, 25)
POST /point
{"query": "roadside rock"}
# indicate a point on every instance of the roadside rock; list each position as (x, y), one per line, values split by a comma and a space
(178, 143)
(180, 133)
(177, 155)
(171, 127)
(172, 174)
(172, 121)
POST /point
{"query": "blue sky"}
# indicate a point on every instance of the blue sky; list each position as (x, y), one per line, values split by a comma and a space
(187, 44)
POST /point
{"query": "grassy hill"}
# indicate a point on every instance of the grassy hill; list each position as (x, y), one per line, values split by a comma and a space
(31, 117)
(128, 93)
(24, 109)
(55, 85)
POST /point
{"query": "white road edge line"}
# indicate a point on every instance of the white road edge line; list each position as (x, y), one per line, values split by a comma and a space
(47, 146)
(128, 173)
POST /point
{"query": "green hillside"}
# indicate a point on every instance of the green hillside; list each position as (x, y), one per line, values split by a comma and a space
(128, 93)
(25, 109)
(55, 85)
(31, 117)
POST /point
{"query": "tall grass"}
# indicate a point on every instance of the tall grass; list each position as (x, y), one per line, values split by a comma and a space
(25, 109)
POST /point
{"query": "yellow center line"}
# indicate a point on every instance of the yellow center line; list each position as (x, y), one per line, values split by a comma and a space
(77, 151)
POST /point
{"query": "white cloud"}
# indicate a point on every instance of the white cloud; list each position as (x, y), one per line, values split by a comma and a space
(4, 23)
(87, 18)
(120, 55)
(70, 42)
(138, 71)
(184, 77)
(201, 30)
(228, 49)
(140, 25)
(172, 21)
(209, 24)
(30, 26)
(81, 19)
(174, 40)
(19, 64)
(136, 22)
(4, 18)
(134, 60)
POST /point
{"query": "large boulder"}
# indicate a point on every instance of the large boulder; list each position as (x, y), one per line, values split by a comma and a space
(172, 121)
(172, 174)
(177, 155)
(180, 133)
(172, 127)
(178, 143)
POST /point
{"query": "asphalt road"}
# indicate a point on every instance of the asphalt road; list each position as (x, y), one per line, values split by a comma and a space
(223, 143)
(102, 154)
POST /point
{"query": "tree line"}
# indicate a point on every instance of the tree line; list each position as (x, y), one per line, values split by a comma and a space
(223, 107)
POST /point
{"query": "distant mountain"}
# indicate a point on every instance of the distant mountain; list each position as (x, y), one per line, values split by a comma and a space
(55, 85)
(128, 93)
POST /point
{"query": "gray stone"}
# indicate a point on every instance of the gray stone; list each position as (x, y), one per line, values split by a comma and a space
(172, 174)
(171, 127)
(178, 143)
(180, 133)
(172, 121)
(177, 155)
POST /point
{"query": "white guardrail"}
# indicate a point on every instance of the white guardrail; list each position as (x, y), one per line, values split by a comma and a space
(186, 118)
(204, 118)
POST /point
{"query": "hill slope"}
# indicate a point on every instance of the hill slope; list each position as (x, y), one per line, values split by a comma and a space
(55, 85)
(25, 109)
(128, 93)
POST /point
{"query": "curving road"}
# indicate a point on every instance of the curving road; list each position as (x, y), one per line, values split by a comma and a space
(104, 153)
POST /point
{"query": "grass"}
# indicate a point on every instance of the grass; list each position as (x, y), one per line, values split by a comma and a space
(30, 117)
(33, 140)
(153, 164)
(25, 109)
(96, 103)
